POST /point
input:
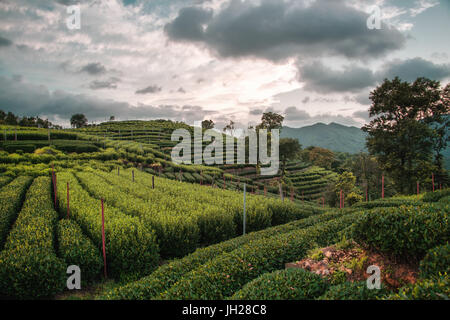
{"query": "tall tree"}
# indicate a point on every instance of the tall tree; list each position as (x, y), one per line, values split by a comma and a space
(270, 120)
(11, 119)
(78, 120)
(207, 124)
(400, 135)
(230, 127)
(318, 156)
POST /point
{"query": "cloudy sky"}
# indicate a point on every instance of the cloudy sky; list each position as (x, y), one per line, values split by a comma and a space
(311, 60)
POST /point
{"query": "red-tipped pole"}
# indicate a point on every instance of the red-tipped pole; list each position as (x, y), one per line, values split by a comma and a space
(68, 201)
(382, 187)
(432, 179)
(103, 239)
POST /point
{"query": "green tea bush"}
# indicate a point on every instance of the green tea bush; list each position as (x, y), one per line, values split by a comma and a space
(225, 274)
(167, 275)
(131, 246)
(76, 249)
(11, 197)
(289, 284)
(407, 231)
(29, 267)
(353, 291)
(436, 262)
(4, 180)
(425, 289)
(436, 196)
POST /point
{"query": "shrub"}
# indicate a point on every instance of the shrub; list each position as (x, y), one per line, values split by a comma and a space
(436, 262)
(225, 274)
(131, 246)
(404, 231)
(289, 284)
(11, 197)
(353, 291)
(29, 267)
(167, 275)
(76, 249)
(436, 196)
(425, 289)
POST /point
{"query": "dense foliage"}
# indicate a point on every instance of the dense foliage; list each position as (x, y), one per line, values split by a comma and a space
(288, 284)
(29, 266)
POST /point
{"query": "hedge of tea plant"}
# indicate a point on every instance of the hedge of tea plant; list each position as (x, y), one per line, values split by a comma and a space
(77, 249)
(131, 246)
(183, 215)
(436, 262)
(436, 196)
(29, 266)
(4, 180)
(288, 284)
(11, 197)
(407, 231)
(353, 291)
(425, 289)
(222, 276)
(167, 275)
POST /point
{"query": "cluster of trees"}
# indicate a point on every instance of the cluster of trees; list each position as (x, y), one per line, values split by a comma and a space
(79, 120)
(10, 118)
(410, 130)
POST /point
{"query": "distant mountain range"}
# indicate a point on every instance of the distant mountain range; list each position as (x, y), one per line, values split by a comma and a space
(336, 137)
(333, 136)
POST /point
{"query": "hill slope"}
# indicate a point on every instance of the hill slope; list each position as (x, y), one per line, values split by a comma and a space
(333, 136)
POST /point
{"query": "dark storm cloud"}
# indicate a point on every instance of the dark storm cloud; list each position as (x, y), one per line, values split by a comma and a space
(188, 26)
(5, 42)
(31, 100)
(95, 68)
(111, 83)
(322, 79)
(411, 69)
(294, 114)
(276, 30)
(149, 89)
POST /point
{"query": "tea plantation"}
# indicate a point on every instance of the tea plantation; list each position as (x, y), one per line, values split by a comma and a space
(177, 232)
